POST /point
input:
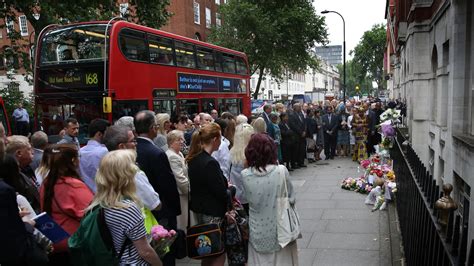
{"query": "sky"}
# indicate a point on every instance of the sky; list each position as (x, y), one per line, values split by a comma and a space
(360, 16)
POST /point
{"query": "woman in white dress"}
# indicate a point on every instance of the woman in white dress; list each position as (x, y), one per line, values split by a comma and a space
(263, 185)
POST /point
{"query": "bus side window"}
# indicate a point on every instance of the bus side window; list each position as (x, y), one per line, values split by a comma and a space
(161, 50)
(241, 66)
(185, 54)
(205, 58)
(133, 45)
(228, 63)
(218, 57)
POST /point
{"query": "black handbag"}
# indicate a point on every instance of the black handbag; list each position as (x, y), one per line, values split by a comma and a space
(204, 240)
(179, 245)
(236, 229)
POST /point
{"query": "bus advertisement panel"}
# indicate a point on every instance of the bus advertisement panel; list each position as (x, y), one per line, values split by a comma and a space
(145, 69)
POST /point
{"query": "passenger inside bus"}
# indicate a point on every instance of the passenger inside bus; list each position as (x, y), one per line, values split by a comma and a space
(67, 55)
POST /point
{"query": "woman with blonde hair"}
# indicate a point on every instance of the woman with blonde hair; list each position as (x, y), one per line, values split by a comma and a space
(259, 125)
(243, 132)
(164, 124)
(208, 184)
(116, 193)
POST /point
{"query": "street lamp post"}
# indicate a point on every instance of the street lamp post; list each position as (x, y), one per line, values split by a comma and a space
(343, 48)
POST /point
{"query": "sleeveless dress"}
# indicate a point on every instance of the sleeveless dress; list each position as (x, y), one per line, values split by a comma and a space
(360, 130)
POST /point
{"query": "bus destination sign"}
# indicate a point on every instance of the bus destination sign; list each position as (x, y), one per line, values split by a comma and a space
(71, 78)
(191, 83)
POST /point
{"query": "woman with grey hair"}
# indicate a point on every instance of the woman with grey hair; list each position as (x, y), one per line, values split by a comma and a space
(259, 125)
(175, 140)
(126, 121)
(241, 119)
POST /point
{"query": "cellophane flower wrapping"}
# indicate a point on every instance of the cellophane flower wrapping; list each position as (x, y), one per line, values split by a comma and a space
(162, 239)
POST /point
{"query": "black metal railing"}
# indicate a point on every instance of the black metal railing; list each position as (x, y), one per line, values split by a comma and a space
(425, 242)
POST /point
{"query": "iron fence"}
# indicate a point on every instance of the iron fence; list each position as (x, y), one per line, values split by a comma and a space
(425, 242)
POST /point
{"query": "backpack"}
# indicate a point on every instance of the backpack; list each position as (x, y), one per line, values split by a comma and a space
(92, 243)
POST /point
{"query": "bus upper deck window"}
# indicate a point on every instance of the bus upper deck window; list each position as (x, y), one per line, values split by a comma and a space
(205, 58)
(228, 63)
(133, 45)
(185, 55)
(161, 50)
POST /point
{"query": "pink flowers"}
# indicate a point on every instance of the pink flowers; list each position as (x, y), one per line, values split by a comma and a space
(365, 163)
(159, 232)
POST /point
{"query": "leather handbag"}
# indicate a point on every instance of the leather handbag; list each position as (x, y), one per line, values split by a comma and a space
(204, 240)
(288, 222)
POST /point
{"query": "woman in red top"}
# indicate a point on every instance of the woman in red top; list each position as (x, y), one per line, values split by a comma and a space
(64, 196)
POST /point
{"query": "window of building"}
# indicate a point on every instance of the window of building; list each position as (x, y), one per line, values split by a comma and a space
(133, 45)
(218, 2)
(208, 18)
(197, 15)
(218, 19)
(9, 25)
(23, 25)
(205, 58)
(161, 50)
(185, 54)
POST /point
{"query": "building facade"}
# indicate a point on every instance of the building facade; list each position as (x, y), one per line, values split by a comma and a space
(430, 64)
(194, 18)
(11, 71)
(323, 81)
(330, 53)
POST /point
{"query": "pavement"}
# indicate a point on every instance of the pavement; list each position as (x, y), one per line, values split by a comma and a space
(337, 227)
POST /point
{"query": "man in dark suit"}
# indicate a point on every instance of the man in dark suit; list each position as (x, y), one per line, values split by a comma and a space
(374, 120)
(331, 124)
(298, 125)
(267, 110)
(154, 162)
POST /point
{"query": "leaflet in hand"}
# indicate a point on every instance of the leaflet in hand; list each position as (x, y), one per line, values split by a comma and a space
(50, 228)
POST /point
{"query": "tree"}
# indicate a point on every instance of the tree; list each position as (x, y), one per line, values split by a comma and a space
(369, 53)
(276, 35)
(355, 79)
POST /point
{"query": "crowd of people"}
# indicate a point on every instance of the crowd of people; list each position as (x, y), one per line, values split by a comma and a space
(179, 168)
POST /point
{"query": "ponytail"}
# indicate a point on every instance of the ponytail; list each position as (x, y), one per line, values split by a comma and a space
(202, 136)
(195, 147)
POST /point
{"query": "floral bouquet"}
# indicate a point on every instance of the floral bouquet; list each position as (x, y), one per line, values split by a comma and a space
(162, 239)
(391, 114)
(356, 184)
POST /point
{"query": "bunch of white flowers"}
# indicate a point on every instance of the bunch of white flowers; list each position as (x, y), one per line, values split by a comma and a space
(390, 114)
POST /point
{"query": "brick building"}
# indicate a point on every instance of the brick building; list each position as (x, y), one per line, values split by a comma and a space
(24, 28)
(194, 18)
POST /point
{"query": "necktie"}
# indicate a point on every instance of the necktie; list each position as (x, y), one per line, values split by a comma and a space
(329, 119)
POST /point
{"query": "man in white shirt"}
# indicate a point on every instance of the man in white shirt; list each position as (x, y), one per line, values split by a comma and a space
(22, 120)
(120, 137)
(222, 155)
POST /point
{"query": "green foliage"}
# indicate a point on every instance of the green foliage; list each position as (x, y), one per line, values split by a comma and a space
(276, 35)
(355, 79)
(369, 53)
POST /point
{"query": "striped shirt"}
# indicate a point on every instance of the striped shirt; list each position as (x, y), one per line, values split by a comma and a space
(126, 223)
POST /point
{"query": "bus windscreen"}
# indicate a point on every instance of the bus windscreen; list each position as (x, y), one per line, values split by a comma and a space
(73, 44)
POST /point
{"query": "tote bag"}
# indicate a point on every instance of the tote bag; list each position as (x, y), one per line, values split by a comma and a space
(288, 220)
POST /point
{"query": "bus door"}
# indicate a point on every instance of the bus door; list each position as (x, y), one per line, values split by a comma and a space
(164, 101)
(207, 105)
(231, 105)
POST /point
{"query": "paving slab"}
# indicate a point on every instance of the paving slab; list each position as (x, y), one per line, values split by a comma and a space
(345, 241)
(352, 226)
(347, 214)
(342, 257)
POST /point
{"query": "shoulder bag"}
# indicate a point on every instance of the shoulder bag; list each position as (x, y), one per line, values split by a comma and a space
(288, 222)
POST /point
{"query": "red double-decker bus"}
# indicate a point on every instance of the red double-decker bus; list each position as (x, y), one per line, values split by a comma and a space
(4, 118)
(144, 68)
